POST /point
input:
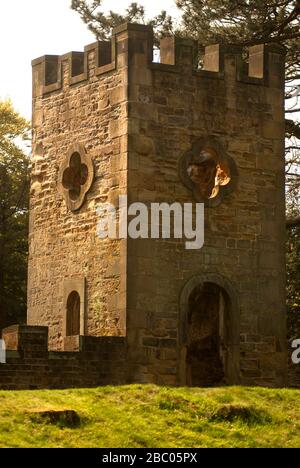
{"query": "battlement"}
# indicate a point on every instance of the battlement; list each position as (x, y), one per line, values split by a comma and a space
(265, 65)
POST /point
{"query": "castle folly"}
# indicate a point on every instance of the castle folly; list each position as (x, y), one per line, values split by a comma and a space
(110, 122)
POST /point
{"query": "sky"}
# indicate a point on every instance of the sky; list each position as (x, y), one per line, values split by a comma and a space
(32, 28)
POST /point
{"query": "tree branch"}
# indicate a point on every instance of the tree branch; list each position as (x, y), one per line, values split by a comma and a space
(292, 128)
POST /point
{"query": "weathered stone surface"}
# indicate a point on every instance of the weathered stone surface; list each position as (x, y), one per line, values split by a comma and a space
(87, 361)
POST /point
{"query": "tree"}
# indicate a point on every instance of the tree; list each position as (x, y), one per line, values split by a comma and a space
(14, 186)
(101, 24)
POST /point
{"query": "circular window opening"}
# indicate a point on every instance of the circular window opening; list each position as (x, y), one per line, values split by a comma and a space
(75, 176)
(207, 173)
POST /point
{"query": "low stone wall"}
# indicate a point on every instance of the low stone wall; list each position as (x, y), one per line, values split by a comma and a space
(87, 361)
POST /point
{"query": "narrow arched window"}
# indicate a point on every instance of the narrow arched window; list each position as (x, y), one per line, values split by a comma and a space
(73, 314)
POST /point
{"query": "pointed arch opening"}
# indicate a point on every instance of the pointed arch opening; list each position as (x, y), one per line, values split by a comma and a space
(209, 333)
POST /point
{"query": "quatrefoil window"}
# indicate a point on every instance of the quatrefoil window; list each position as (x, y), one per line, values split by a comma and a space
(208, 171)
(76, 176)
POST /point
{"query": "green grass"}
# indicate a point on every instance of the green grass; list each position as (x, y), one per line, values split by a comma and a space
(152, 417)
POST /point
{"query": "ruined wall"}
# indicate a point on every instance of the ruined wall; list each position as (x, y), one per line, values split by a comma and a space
(172, 107)
(29, 364)
(87, 361)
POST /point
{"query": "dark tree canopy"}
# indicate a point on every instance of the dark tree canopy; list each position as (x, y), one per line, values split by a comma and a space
(293, 282)
(14, 183)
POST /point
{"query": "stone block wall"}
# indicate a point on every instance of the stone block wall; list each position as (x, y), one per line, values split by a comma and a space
(172, 107)
(89, 361)
(79, 101)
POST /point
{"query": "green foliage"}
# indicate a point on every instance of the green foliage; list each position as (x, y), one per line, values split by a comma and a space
(293, 282)
(101, 24)
(152, 417)
(14, 183)
(242, 21)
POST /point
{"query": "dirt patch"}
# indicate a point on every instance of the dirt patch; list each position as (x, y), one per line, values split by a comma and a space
(67, 418)
(246, 414)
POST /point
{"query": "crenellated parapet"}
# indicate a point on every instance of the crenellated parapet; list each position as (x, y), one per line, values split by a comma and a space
(97, 59)
(265, 65)
(49, 67)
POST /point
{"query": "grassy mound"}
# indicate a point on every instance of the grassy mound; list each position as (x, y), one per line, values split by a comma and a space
(150, 416)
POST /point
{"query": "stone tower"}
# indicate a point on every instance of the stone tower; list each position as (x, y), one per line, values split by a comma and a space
(109, 122)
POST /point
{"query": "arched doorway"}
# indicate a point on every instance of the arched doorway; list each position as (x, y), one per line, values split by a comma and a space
(206, 336)
(209, 333)
(73, 314)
